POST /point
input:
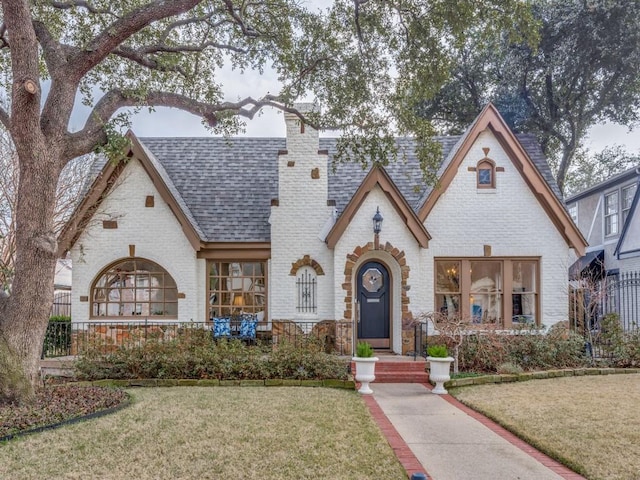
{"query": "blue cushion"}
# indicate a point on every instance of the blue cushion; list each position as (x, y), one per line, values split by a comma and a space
(221, 327)
(248, 327)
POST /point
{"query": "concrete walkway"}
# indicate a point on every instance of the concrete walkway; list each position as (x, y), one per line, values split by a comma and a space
(453, 442)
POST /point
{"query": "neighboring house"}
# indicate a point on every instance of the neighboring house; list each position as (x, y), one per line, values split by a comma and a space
(62, 288)
(608, 216)
(607, 277)
(191, 229)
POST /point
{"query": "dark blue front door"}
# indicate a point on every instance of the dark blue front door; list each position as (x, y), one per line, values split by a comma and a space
(373, 301)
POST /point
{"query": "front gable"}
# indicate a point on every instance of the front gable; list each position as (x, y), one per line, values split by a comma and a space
(629, 242)
(107, 180)
(490, 121)
(378, 177)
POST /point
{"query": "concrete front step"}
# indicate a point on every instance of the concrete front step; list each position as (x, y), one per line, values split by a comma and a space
(390, 370)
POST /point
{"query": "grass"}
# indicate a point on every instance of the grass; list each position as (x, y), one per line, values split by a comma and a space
(231, 432)
(589, 423)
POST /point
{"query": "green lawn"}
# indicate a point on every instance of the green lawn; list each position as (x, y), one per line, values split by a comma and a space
(590, 423)
(206, 433)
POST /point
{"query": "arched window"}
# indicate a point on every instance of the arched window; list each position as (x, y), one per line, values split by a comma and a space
(486, 174)
(134, 287)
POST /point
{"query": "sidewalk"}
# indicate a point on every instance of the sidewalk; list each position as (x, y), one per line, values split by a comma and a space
(452, 442)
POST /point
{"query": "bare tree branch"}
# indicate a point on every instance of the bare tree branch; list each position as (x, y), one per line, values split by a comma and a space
(85, 140)
(82, 4)
(123, 28)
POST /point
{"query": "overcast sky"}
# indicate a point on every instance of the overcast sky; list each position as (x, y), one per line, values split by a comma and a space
(165, 122)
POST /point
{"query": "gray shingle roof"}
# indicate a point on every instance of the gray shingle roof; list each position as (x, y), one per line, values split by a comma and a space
(227, 184)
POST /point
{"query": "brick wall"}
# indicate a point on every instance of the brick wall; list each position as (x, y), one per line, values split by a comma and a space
(509, 219)
(154, 231)
(297, 222)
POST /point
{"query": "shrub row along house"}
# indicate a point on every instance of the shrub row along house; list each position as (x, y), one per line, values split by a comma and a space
(191, 229)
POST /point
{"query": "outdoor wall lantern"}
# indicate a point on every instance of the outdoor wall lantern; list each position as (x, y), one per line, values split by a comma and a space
(377, 222)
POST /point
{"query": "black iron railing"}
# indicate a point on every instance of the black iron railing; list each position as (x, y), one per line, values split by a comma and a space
(66, 338)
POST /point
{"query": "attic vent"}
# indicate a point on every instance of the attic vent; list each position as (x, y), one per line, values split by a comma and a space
(149, 201)
(109, 224)
(315, 173)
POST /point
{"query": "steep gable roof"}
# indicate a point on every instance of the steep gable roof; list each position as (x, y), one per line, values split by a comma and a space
(539, 183)
(221, 189)
(377, 176)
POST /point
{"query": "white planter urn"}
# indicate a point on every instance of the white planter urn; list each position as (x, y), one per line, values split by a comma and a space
(439, 372)
(365, 373)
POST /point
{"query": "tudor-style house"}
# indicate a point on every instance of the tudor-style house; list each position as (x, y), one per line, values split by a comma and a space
(192, 229)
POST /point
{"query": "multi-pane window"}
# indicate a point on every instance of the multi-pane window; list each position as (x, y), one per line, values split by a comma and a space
(524, 296)
(573, 212)
(306, 288)
(611, 213)
(236, 287)
(627, 198)
(448, 287)
(496, 291)
(485, 291)
(134, 288)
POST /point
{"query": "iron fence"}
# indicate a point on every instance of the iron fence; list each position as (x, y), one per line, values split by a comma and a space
(75, 338)
(591, 301)
(61, 304)
(420, 340)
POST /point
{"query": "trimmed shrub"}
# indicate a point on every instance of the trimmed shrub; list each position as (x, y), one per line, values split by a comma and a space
(530, 349)
(193, 355)
(57, 339)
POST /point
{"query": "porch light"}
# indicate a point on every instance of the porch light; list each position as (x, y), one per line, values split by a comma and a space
(377, 222)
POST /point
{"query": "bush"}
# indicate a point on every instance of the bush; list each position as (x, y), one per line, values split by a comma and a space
(57, 340)
(622, 349)
(438, 351)
(194, 355)
(529, 349)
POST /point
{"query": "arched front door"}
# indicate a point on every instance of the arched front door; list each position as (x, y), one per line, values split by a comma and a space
(374, 304)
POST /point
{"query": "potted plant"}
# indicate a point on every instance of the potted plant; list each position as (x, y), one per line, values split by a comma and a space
(365, 366)
(439, 366)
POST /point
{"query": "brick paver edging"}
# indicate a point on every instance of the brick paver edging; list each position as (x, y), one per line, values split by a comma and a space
(547, 461)
(188, 382)
(521, 377)
(407, 459)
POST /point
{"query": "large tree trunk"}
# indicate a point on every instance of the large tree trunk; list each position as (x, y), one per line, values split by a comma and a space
(24, 323)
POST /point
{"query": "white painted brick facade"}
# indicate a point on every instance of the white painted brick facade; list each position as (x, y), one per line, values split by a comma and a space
(509, 219)
(157, 236)
(359, 233)
(297, 222)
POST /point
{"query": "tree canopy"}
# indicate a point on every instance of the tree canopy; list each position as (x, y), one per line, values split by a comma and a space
(583, 71)
(364, 62)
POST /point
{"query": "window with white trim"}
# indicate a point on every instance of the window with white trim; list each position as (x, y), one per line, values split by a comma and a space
(573, 212)
(611, 214)
(627, 199)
